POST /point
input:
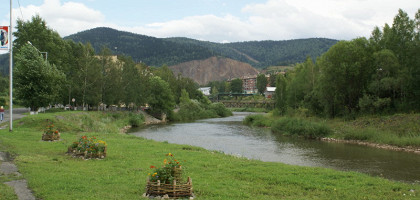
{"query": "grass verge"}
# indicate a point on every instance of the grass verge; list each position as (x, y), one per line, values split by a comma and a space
(52, 174)
(400, 130)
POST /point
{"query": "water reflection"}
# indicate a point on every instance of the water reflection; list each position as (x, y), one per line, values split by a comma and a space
(230, 136)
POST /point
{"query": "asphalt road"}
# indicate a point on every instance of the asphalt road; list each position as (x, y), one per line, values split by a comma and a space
(17, 114)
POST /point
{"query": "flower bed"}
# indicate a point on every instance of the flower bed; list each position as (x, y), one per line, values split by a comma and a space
(88, 148)
(167, 180)
(50, 132)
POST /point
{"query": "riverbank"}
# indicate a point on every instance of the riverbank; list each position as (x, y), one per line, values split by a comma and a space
(52, 174)
(399, 132)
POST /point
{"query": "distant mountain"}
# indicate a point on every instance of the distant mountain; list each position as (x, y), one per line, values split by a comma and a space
(171, 51)
(213, 69)
(262, 54)
(150, 50)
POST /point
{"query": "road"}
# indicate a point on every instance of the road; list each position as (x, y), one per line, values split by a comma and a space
(17, 114)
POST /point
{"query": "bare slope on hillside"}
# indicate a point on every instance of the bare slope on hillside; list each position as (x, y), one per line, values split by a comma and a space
(213, 69)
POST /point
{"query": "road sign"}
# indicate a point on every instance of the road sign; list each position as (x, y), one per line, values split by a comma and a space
(4, 38)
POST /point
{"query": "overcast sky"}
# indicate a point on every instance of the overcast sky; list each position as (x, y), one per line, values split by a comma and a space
(216, 20)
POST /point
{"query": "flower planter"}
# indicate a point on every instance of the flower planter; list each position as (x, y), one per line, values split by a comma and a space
(174, 190)
(51, 137)
(86, 154)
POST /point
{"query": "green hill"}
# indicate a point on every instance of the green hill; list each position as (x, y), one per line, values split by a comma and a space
(141, 48)
(170, 51)
(261, 54)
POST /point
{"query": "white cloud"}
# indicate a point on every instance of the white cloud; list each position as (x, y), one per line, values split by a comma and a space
(272, 20)
(288, 19)
(66, 18)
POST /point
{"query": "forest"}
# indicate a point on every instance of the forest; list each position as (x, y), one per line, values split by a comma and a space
(170, 51)
(376, 75)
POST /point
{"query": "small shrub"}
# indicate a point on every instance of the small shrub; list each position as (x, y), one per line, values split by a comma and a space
(136, 120)
(257, 120)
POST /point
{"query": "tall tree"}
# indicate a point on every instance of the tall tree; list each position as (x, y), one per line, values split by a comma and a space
(89, 76)
(37, 82)
(280, 94)
(161, 99)
(346, 71)
(261, 83)
(43, 38)
(236, 85)
(131, 82)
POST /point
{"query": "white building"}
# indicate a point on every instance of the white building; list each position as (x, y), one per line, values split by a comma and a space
(269, 92)
(205, 90)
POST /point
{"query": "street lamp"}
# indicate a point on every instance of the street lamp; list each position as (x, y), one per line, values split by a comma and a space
(46, 53)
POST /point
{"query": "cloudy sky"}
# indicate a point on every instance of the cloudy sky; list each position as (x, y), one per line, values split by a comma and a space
(216, 20)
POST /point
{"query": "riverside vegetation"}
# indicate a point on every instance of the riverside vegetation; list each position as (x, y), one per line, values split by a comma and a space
(402, 130)
(52, 174)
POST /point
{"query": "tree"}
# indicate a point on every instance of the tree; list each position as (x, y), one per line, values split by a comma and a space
(280, 94)
(272, 80)
(161, 99)
(236, 85)
(43, 38)
(132, 85)
(37, 82)
(346, 71)
(261, 83)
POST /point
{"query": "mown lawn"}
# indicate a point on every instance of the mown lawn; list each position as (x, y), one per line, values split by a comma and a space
(52, 174)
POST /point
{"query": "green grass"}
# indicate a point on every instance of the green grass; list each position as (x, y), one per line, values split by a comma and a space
(52, 174)
(7, 192)
(300, 127)
(399, 129)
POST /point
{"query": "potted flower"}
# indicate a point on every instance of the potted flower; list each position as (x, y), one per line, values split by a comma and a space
(50, 133)
(167, 180)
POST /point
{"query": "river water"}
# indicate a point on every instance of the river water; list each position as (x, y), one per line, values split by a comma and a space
(231, 137)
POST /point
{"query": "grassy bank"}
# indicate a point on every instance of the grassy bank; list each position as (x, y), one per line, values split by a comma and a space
(399, 130)
(52, 174)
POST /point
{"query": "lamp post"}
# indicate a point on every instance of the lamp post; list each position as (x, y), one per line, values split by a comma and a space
(11, 71)
(46, 53)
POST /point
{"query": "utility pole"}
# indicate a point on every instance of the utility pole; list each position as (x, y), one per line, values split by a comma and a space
(11, 71)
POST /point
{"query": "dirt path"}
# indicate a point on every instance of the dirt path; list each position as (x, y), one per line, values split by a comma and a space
(8, 168)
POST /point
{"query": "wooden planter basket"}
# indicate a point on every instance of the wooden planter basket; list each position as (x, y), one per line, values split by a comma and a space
(173, 190)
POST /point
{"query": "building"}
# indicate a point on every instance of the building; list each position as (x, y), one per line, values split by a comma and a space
(205, 90)
(269, 92)
(249, 84)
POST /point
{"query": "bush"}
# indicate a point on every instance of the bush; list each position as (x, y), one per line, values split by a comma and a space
(220, 110)
(257, 120)
(300, 127)
(136, 120)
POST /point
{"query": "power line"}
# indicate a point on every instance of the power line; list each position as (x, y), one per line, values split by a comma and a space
(20, 8)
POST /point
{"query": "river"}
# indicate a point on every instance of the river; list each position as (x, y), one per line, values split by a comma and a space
(230, 136)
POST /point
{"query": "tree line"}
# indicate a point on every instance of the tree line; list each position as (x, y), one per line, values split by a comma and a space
(74, 71)
(380, 74)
